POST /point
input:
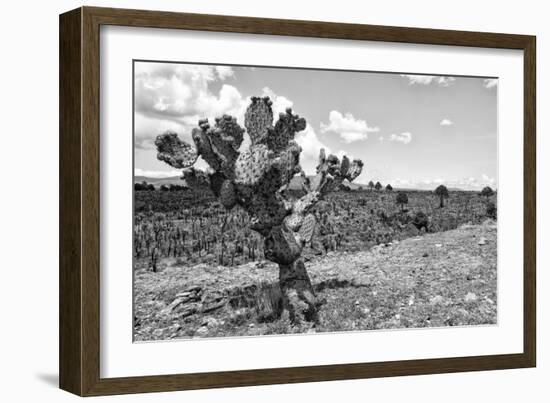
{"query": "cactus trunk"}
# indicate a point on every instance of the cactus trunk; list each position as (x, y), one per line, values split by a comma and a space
(298, 295)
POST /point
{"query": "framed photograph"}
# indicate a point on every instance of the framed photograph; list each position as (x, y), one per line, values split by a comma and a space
(249, 201)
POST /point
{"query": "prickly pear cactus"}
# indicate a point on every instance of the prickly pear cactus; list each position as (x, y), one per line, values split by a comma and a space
(255, 179)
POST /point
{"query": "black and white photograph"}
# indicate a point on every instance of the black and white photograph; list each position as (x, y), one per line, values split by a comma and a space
(277, 201)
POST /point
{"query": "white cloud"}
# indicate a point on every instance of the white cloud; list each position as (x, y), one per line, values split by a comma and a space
(490, 82)
(280, 103)
(156, 174)
(311, 145)
(180, 92)
(446, 122)
(341, 153)
(147, 128)
(381, 139)
(174, 97)
(404, 137)
(443, 81)
(224, 72)
(349, 128)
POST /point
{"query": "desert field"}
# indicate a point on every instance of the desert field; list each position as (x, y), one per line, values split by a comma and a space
(200, 271)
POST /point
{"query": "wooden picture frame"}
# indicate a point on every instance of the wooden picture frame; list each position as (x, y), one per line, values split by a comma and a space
(79, 347)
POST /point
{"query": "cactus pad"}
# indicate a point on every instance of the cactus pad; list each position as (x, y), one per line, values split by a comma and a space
(285, 130)
(202, 142)
(307, 228)
(354, 170)
(344, 166)
(230, 131)
(175, 152)
(227, 194)
(258, 118)
(288, 162)
(252, 165)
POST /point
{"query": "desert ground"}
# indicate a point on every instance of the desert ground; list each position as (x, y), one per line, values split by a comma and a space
(199, 271)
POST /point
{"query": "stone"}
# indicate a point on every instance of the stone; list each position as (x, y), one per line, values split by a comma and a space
(168, 310)
(482, 241)
(470, 297)
(438, 299)
(201, 331)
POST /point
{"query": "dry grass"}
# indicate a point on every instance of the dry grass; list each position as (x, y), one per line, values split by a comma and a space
(441, 279)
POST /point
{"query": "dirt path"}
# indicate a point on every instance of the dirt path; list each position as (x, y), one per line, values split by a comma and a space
(440, 279)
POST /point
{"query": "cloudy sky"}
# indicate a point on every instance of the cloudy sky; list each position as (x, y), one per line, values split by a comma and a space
(413, 131)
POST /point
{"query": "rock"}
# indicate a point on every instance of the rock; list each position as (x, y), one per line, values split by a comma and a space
(438, 245)
(201, 331)
(194, 288)
(425, 254)
(470, 297)
(482, 241)
(168, 310)
(158, 332)
(210, 322)
(187, 311)
(214, 306)
(438, 299)
(366, 310)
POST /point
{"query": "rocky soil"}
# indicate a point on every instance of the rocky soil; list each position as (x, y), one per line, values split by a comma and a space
(440, 279)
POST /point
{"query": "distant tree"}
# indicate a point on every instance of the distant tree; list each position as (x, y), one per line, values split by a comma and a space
(491, 210)
(360, 188)
(378, 186)
(141, 186)
(487, 192)
(175, 188)
(389, 188)
(402, 199)
(164, 188)
(443, 193)
(344, 187)
(150, 187)
(371, 185)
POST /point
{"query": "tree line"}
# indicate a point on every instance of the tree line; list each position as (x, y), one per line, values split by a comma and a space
(165, 188)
